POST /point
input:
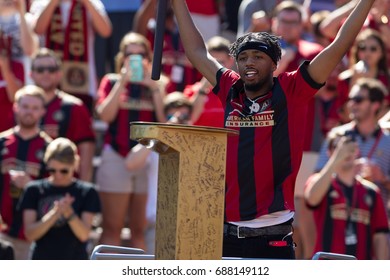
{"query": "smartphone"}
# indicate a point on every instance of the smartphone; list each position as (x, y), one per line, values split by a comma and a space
(351, 134)
(136, 68)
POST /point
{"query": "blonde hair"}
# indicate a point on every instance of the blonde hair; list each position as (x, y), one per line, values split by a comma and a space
(30, 90)
(61, 149)
(45, 52)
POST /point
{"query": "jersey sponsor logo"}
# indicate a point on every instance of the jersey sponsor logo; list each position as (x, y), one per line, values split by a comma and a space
(262, 119)
(339, 212)
(31, 168)
(360, 216)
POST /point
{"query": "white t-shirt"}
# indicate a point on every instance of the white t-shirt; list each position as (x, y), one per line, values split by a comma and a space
(10, 25)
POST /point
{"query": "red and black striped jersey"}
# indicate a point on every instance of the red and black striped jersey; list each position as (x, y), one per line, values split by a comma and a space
(66, 116)
(348, 217)
(263, 161)
(26, 155)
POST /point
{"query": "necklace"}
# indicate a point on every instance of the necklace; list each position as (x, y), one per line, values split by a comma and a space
(254, 107)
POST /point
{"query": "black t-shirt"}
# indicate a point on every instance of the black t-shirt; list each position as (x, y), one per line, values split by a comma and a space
(59, 243)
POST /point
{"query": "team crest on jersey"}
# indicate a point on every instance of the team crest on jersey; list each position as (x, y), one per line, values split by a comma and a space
(4, 151)
(333, 194)
(39, 154)
(368, 200)
(58, 116)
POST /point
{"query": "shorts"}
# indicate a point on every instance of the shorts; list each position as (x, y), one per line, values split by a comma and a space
(112, 176)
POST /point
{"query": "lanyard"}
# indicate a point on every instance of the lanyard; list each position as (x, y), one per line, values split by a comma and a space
(350, 204)
(373, 148)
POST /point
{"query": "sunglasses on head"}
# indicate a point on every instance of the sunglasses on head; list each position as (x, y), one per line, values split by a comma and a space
(358, 99)
(62, 171)
(41, 69)
(364, 48)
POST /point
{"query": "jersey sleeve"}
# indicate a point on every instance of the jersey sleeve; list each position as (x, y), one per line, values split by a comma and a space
(83, 131)
(29, 198)
(226, 78)
(91, 200)
(298, 85)
(104, 89)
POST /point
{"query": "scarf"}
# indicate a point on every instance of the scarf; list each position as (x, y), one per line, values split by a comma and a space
(71, 45)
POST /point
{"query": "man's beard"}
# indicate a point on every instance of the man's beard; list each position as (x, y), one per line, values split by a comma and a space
(253, 87)
(28, 124)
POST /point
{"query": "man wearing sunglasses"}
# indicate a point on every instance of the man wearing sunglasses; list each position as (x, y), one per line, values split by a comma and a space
(21, 160)
(365, 102)
(66, 115)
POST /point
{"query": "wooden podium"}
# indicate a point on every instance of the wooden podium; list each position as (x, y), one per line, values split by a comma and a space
(191, 188)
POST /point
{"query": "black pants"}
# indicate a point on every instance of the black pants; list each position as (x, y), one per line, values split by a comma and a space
(258, 247)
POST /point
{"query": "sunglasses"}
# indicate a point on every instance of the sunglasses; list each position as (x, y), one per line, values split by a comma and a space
(130, 53)
(364, 48)
(50, 69)
(62, 171)
(289, 22)
(358, 99)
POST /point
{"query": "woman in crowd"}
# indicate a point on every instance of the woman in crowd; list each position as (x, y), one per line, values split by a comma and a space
(58, 211)
(367, 58)
(126, 96)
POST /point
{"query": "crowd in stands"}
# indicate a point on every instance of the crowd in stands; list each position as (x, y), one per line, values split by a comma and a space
(68, 92)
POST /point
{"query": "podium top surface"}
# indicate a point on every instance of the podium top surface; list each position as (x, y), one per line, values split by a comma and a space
(185, 127)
